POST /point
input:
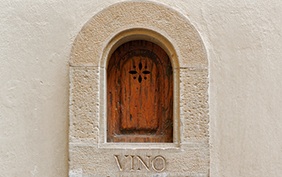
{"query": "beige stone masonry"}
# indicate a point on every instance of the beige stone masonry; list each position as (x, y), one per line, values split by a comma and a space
(89, 153)
(192, 160)
(194, 104)
(98, 31)
(84, 104)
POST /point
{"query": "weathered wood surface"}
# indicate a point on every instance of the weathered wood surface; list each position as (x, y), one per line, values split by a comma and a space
(139, 94)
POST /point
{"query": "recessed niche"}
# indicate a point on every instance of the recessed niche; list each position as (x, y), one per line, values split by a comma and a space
(139, 94)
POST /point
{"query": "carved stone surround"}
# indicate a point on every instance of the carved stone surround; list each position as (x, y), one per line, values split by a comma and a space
(89, 153)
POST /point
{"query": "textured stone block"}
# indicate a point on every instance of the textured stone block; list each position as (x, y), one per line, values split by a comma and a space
(84, 104)
(194, 103)
(88, 46)
(192, 160)
(89, 152)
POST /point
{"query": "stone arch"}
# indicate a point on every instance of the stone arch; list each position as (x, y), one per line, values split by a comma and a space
(95, 35)
(92, 48)
(146, 34)
(154, 22)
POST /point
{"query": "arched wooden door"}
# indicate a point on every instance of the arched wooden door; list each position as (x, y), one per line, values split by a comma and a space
(139, 94)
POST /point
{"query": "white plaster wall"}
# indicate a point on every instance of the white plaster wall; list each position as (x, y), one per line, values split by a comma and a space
(244, 44)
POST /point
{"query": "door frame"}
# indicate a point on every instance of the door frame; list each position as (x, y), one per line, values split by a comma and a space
(117, 40)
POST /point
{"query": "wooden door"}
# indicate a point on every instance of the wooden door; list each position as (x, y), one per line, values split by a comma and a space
(139, 94)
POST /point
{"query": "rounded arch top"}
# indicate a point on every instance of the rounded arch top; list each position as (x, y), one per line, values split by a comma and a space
(139, 34)
(142, 20)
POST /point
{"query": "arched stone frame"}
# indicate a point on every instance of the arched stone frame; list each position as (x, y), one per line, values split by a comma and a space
(154, 37)
(97, 39)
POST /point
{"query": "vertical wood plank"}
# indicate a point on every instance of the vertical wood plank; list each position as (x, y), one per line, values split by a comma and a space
(139, 94)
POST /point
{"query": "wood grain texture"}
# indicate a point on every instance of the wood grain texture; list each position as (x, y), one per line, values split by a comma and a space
(139, 94)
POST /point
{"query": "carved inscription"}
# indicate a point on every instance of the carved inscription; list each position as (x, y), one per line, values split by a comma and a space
(157, 164)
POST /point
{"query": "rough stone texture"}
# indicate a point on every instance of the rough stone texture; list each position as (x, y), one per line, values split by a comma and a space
(194, 104)
(84, 104)
(87, 158)
(89, 44)
(91, 161)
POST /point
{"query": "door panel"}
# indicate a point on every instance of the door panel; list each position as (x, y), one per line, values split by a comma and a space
(139, 90)
(139, 95)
